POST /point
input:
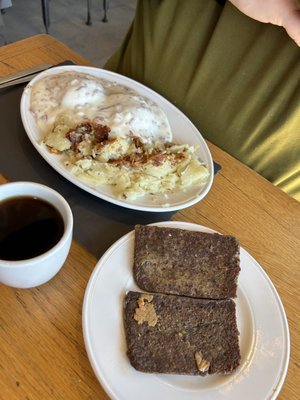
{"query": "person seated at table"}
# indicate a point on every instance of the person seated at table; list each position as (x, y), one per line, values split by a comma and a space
(234, 76)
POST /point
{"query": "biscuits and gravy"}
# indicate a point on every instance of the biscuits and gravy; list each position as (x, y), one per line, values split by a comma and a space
(109, 134)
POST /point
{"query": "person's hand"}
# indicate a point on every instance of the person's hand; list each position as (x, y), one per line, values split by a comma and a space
(285, 13)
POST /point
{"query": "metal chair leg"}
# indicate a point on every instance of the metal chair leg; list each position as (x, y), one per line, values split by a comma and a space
(105, 8)
(46, 14)
(2, 30)
(89, 20)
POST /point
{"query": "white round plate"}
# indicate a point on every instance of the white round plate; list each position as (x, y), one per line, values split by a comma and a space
(263, 327)
(183, 132)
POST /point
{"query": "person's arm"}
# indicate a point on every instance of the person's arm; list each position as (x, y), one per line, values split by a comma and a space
(285, 13)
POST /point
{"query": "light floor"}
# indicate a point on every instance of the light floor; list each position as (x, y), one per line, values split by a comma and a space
(67, 24)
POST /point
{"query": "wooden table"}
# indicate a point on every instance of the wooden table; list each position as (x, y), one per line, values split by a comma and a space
(42, 351)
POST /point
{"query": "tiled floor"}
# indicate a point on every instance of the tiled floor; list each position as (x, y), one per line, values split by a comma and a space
(67, 24)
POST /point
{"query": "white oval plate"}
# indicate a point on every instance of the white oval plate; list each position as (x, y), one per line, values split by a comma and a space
(262, 323)
(183, 132)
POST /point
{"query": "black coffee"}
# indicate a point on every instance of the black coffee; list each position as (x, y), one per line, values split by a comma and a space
(29, 227)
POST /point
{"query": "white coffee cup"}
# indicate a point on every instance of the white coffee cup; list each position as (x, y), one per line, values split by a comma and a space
(35, 271)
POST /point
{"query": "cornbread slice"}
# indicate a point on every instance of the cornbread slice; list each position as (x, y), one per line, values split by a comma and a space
(190, 263)
(181, 335)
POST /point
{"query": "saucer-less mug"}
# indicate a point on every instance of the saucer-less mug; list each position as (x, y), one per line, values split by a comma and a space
(22, 267)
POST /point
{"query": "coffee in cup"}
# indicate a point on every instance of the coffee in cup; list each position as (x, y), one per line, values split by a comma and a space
(36, 226)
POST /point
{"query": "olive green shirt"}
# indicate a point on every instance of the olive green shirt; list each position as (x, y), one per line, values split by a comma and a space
(237, 79)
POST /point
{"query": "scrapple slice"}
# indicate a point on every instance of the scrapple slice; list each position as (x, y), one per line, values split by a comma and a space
(181, 335)
(190, 263)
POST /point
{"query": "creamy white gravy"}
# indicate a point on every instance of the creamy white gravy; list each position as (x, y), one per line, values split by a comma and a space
(82, 96)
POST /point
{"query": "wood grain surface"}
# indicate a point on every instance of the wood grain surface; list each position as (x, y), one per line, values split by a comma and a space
(42, 352)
